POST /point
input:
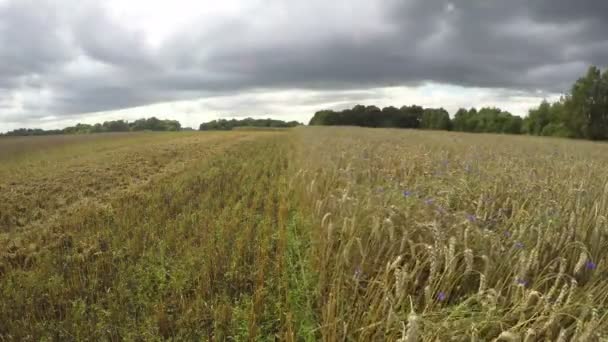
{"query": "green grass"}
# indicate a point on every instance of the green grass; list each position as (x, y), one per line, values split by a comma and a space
(302, 235)
(301, 280)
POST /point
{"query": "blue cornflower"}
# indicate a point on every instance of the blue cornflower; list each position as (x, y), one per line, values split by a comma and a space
(441, 296)
(590, 265)
(407, 193)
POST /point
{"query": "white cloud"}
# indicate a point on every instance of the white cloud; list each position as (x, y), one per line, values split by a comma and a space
(160, 19)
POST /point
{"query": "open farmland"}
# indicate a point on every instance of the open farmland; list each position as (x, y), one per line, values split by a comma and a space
(303, 234)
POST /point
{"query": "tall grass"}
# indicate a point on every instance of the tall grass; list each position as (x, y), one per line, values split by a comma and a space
(196, 255)
(423, 236)
(309, 234)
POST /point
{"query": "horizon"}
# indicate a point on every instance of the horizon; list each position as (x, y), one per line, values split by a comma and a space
(244, 117)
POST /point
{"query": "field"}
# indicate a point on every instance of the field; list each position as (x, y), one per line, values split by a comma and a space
(334, 234)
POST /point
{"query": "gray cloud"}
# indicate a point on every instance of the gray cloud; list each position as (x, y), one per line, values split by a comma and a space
(32, 39)
(69, 57)
(470, 43)
(565, 10)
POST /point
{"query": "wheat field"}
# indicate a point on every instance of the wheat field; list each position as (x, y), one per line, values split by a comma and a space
(306, 234)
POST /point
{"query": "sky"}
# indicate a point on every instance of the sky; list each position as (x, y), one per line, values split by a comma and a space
(69, 61)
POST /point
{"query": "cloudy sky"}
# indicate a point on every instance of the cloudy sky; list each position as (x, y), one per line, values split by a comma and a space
(69, 61)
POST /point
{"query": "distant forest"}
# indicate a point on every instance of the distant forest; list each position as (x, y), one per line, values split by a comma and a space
(226, 125)
(150, 124)
(488, 120)
(583, 113)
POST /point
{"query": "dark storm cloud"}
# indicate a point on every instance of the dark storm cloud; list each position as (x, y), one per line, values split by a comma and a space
(483, 43)
(514, 44)
(84, 60)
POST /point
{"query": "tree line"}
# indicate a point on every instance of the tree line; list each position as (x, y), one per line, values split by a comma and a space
(227, 125)
(472, 120)
(582, 113)
(152, 124)
(149, 124)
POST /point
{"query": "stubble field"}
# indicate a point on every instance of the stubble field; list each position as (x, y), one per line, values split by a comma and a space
(303, 234)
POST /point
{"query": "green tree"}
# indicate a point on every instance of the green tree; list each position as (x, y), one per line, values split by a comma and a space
(114, 126)
(437, 119)
(472, 121)
(321, 117)
(513, 125)
(538, 118)
(587, 106)
(460, 120)
(389, 117)
(411, 116)
(226, 125)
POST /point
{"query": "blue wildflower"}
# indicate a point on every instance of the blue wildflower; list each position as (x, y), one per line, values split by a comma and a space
(407, 193)
(590, 265)
(519, 245)
(522, 282)
(441, 296)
